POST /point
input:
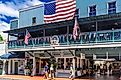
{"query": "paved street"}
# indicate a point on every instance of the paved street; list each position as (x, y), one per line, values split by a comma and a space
(106, 77)
(21, 77)
(8, 79)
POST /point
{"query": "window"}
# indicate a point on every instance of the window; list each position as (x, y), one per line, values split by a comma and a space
(60, 63)
(92, 10)
(68, 63)
(33, 20)
(14, 24)
(112, 7)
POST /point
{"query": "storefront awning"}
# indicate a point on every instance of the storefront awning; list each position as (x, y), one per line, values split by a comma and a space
(11, 55)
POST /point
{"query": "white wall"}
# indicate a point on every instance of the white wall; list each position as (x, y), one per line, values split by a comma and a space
(2, 49)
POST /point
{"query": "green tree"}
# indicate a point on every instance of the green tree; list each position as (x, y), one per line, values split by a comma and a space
(1, 38)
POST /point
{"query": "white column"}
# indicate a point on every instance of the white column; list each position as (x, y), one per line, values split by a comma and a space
(3, 70)
(108, 68)
(74, 62)
(25, 72)
(77, 62)
(106, 55)
(34, 66)
(81, 63)
(13, 67)
(9, 66)
(56, 73)
(40, 66)
(74, 66)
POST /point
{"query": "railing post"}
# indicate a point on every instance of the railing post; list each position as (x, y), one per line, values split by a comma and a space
(43, 41)
(113, 34)
(81, 39)
(67, 35)
(32, 42)
(24, 45)
(67, 39)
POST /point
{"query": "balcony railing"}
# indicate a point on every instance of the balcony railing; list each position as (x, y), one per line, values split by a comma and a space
(84, 38)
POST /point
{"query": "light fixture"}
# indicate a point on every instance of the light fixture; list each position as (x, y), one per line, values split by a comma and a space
(116, 23)
(92, 25)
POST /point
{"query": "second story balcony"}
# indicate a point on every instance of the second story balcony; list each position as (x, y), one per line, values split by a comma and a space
(101, 37)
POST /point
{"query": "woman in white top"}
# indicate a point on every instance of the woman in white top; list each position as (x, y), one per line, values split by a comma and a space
(52, 71)
(72, 72)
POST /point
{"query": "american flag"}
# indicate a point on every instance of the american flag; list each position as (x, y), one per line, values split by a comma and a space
(27, 36)
(59, 10)
(75, 29)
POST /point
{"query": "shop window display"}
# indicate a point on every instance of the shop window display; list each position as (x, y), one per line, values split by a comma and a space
(60, 63)
(68, 63)
(43, 62)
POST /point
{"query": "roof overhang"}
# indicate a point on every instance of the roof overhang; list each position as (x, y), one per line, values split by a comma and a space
(81, 21)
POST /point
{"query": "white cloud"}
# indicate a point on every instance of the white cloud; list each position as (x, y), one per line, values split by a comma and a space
(33, 2)
(8, 10)
(3, 27)
(11, 9)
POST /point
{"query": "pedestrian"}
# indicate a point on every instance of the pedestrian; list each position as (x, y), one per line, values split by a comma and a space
(46, 71)
(110, 69)
(52, 71)
(71, 72)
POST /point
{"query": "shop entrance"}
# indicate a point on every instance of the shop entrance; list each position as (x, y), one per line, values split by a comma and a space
(43, 62)
(16, 67)
(37, 68)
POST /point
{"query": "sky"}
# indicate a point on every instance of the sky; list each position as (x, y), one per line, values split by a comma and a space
(9, 10)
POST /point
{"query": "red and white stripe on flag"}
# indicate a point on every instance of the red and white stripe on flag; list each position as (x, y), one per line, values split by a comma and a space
(75, 29)
(65, 10)
(27, 36)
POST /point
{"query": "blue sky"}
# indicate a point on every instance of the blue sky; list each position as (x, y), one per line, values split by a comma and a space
(9, 10)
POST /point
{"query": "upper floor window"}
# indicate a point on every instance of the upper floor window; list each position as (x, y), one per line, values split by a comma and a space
(112, 7)
(92, 10)
(14, 24)
(33, 20)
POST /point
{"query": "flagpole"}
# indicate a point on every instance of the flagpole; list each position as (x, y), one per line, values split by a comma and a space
(76, 26)
(27, 36)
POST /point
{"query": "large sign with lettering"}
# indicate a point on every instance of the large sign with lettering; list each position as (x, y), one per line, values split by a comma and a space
(54, 40)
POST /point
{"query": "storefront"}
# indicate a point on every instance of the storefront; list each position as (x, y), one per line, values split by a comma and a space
(63, 60)
(13, 63)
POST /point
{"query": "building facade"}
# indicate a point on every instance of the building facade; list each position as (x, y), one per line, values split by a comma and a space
(100, 31)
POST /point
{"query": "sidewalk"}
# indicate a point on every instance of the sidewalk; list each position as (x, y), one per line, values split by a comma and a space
(22, 77)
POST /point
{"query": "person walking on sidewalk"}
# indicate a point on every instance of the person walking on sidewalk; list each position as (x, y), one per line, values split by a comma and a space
(72, 72)
(46, 71)
(52, 71)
